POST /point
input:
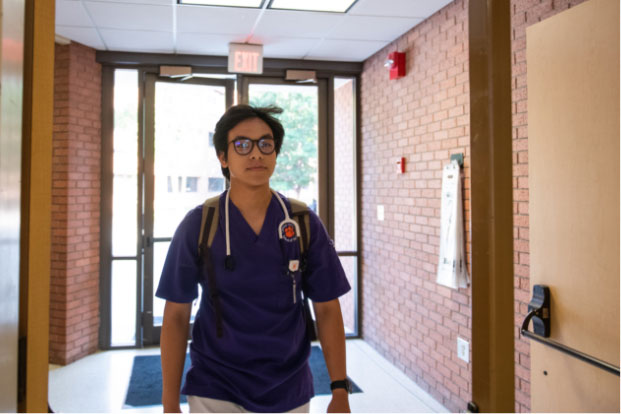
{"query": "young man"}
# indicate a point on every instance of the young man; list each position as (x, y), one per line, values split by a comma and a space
(249, 347)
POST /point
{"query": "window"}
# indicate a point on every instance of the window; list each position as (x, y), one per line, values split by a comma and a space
(191, 184)
(216, 184)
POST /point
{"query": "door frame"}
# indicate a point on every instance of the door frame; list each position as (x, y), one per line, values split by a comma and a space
(145, 64)
(489, 32)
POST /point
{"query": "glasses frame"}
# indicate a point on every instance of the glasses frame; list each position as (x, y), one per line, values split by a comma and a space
(253, 143)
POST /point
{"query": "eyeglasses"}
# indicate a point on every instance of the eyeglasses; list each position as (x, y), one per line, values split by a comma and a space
(244, 146)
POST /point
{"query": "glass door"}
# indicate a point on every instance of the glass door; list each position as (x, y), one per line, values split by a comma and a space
(181, 170)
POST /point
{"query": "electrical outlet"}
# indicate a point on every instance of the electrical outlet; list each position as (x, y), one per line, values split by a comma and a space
(380, 213)
(463, 350)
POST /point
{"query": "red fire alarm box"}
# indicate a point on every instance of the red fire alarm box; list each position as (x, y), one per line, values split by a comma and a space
(397, 69)
(401, 165)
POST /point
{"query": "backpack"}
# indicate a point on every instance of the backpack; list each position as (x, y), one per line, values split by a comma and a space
(211, 214)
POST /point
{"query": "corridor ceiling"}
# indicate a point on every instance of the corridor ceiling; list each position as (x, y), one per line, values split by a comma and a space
(163, 26)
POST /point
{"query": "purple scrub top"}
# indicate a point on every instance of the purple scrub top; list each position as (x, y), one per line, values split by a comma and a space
(261, 361)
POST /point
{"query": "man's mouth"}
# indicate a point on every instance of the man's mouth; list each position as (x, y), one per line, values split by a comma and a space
(256, 168)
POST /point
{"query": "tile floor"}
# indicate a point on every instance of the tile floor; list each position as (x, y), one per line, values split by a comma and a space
(98, 383)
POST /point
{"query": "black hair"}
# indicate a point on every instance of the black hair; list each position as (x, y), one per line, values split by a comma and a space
(238, 113)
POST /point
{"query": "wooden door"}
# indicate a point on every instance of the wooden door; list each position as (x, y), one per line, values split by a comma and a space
(573, 130)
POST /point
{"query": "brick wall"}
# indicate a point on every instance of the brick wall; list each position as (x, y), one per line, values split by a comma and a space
(74, 301)
(523, 14)
(423, 117)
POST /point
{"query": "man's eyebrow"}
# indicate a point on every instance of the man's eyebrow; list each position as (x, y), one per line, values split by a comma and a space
(244, 137)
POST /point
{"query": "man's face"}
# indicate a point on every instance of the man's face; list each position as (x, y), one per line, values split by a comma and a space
(255, 168)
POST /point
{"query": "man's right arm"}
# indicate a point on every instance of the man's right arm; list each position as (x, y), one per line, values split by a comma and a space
(173, 343)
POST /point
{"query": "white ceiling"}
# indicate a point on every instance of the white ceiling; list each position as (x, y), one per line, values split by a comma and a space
(163, 26)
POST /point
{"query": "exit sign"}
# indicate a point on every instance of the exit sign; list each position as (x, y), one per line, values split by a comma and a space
(245, 58)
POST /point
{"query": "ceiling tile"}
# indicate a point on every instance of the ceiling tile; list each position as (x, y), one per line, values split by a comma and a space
(156, 2)
(298, 24)
(398, 8)
(206, 44)
(373, 28)
(334, 6)
(134, 41)
(345, 50)
(130, 16)
(147, 25)
(71, 13)
(215, 20)
(86, 35)
(287, 47)
(225, 3)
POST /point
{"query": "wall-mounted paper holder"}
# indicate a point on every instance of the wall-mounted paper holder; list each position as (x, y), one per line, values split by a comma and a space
(459, 158)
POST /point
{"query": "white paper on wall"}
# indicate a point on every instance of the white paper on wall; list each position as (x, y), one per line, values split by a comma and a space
(452, 270)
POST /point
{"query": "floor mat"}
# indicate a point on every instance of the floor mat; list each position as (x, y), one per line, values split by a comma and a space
(145, 384)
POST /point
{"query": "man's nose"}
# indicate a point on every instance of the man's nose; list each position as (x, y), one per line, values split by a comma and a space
(256, 152)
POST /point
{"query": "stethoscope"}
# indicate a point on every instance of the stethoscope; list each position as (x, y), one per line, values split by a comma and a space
(287, 229)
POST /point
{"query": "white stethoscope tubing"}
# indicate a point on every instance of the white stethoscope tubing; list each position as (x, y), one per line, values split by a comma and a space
(287, 220)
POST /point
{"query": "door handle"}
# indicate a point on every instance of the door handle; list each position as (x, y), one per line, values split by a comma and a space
(539, 312)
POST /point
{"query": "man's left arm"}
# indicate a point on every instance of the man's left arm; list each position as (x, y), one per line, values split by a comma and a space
(332, 338)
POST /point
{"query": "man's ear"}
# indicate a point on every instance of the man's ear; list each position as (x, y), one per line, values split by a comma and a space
(222, 159)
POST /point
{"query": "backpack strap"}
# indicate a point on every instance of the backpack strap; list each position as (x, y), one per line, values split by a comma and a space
(211, 209)
(211, 214)
(300, 213)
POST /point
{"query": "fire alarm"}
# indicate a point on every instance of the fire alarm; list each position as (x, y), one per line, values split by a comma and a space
(401, 165)
(396, 64)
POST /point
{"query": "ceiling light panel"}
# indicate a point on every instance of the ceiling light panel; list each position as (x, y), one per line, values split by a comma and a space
(225, 3)
(335, 6)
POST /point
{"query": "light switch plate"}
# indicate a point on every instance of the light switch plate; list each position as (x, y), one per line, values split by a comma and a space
(380, 213)
(463, 350)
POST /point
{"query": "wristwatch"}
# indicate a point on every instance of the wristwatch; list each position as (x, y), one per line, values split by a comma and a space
(345, 384)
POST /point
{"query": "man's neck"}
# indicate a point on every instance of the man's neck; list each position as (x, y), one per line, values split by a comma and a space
(250, 199)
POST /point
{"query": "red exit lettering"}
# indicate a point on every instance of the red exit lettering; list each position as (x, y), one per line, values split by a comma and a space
(246, 61)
